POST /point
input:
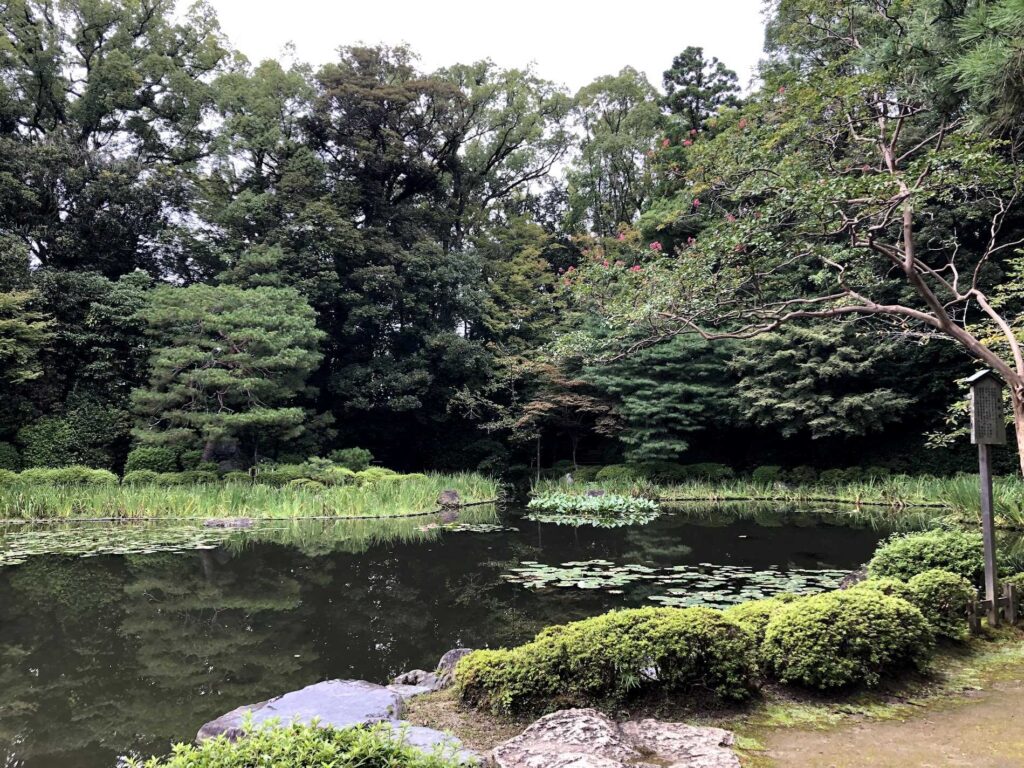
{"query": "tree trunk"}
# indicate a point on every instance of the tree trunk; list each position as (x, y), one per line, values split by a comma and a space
(538, 459)
(1017, 400)
(209, 450)
(575, 441)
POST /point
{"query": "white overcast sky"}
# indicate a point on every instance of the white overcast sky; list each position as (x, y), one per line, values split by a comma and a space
(570, 42)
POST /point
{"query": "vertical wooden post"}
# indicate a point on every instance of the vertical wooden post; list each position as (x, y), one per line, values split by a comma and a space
(1010, 592)
(988, 532)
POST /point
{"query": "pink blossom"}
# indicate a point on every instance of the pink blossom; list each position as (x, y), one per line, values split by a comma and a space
(696, 202)
(636, 268)
(604, 263)
(687, 143)
(691, 240)
(621, 237)
(665, 142)
(693, 131)
(782, 89)
(655, 246)
(571, 269)
(620, 263)
(560, 270)
(743, 123)
(730, 218)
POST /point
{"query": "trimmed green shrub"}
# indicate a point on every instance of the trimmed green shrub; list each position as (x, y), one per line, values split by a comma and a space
(190, 460)
(586, 474)
(610, 658)
(766, 475)
(237, 476)
(844, 638)
(754, 615)
(888, 586)
(7, 477)
(193, 477)
(904, 557)
(302, 746)
(356, 459)
(283, 474)
(943, 598)
(707, 470)
(375, 475)
(618, 473)
(802, 475)
(140, 477)
(154, 458)
(9, 457)
(73, 475)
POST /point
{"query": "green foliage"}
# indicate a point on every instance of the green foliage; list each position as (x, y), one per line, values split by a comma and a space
(610, 658)
(904, 557)
(356, 459)
(754, 615)
(889, 586)
(229, 365)
(766, 475)
(697, 88)
(88, 432)
(153, 458)
(303, 746)
(141, 477)
(73, 475)
(943, 598)
(846, 638)
(1017, 580)
(10, 458)
(23, 332)
(583, 504)
(618, 473)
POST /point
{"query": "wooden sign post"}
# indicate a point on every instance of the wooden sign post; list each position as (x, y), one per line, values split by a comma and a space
(988, 427)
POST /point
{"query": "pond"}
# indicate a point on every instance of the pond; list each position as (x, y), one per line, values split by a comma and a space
(158, 629)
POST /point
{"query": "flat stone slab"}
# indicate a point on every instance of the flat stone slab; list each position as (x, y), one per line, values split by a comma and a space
(408, 691)
(337, 703)
(429, 740)
(585, 738)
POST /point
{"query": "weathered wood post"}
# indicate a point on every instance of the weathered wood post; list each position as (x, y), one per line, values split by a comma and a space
(988, 427)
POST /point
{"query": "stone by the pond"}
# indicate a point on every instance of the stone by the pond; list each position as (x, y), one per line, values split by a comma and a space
(408, 691)
(337, 703)
(446, 667)
(585, 738)
(854, 578)
(417, 677)
(228, 522)
(596, 492)
(428, 740)
(449, 498)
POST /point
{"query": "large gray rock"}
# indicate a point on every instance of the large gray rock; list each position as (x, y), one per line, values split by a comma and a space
(428, 740)
(446, 667)
(337, 703)
(585, 738)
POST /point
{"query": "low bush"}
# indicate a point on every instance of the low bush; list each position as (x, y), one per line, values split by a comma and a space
(73, 475)
(7, 477)
(845, 638)
(618, 473)
(154, 458)
(237, 476)
(754, 615)
(191, 459)
(888, 586)
(193, 477)
(586, 474)
(802, 475)
(140, 477)
(766, 475)
(302, 746)
(10, 459)
(1017, 580)
(943, 598)
(356, 459)
(610, 658)
(375, 475)
(708, 471)
(904, 557)
(606, 504)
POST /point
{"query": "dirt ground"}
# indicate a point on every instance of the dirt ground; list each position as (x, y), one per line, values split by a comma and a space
(982, 730)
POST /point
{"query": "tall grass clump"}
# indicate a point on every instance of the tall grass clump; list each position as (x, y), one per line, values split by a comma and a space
(390, 496)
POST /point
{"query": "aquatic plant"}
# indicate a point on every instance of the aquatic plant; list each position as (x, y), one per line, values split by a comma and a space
(605, 504)
(409, 495)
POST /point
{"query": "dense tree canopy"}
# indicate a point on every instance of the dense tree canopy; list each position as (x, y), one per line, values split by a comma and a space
(472, 265)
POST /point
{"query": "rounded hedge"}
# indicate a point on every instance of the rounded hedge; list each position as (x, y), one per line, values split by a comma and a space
(766, 475)
(73, 475)
(845, 638)
(904, 557)
(754, 615)
(887, 586)
(10, 459)
(943, 598)
(611, 657)
(153, 458)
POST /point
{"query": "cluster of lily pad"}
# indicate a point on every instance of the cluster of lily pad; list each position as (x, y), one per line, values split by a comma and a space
(595, 521)
(706, 584)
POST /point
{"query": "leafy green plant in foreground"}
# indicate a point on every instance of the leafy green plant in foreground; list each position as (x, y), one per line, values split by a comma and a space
(303, 746)
(598, 504)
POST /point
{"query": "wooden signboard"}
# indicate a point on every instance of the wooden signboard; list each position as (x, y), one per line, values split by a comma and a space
(988, 418)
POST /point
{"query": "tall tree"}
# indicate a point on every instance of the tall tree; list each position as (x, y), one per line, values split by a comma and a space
(228, 365)
(103, 103)
(697, 87)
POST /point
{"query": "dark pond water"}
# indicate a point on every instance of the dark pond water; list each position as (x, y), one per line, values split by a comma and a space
(126, 653)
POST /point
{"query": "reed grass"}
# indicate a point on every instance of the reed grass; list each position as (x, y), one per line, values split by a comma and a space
(953, 496)
(411, 495)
